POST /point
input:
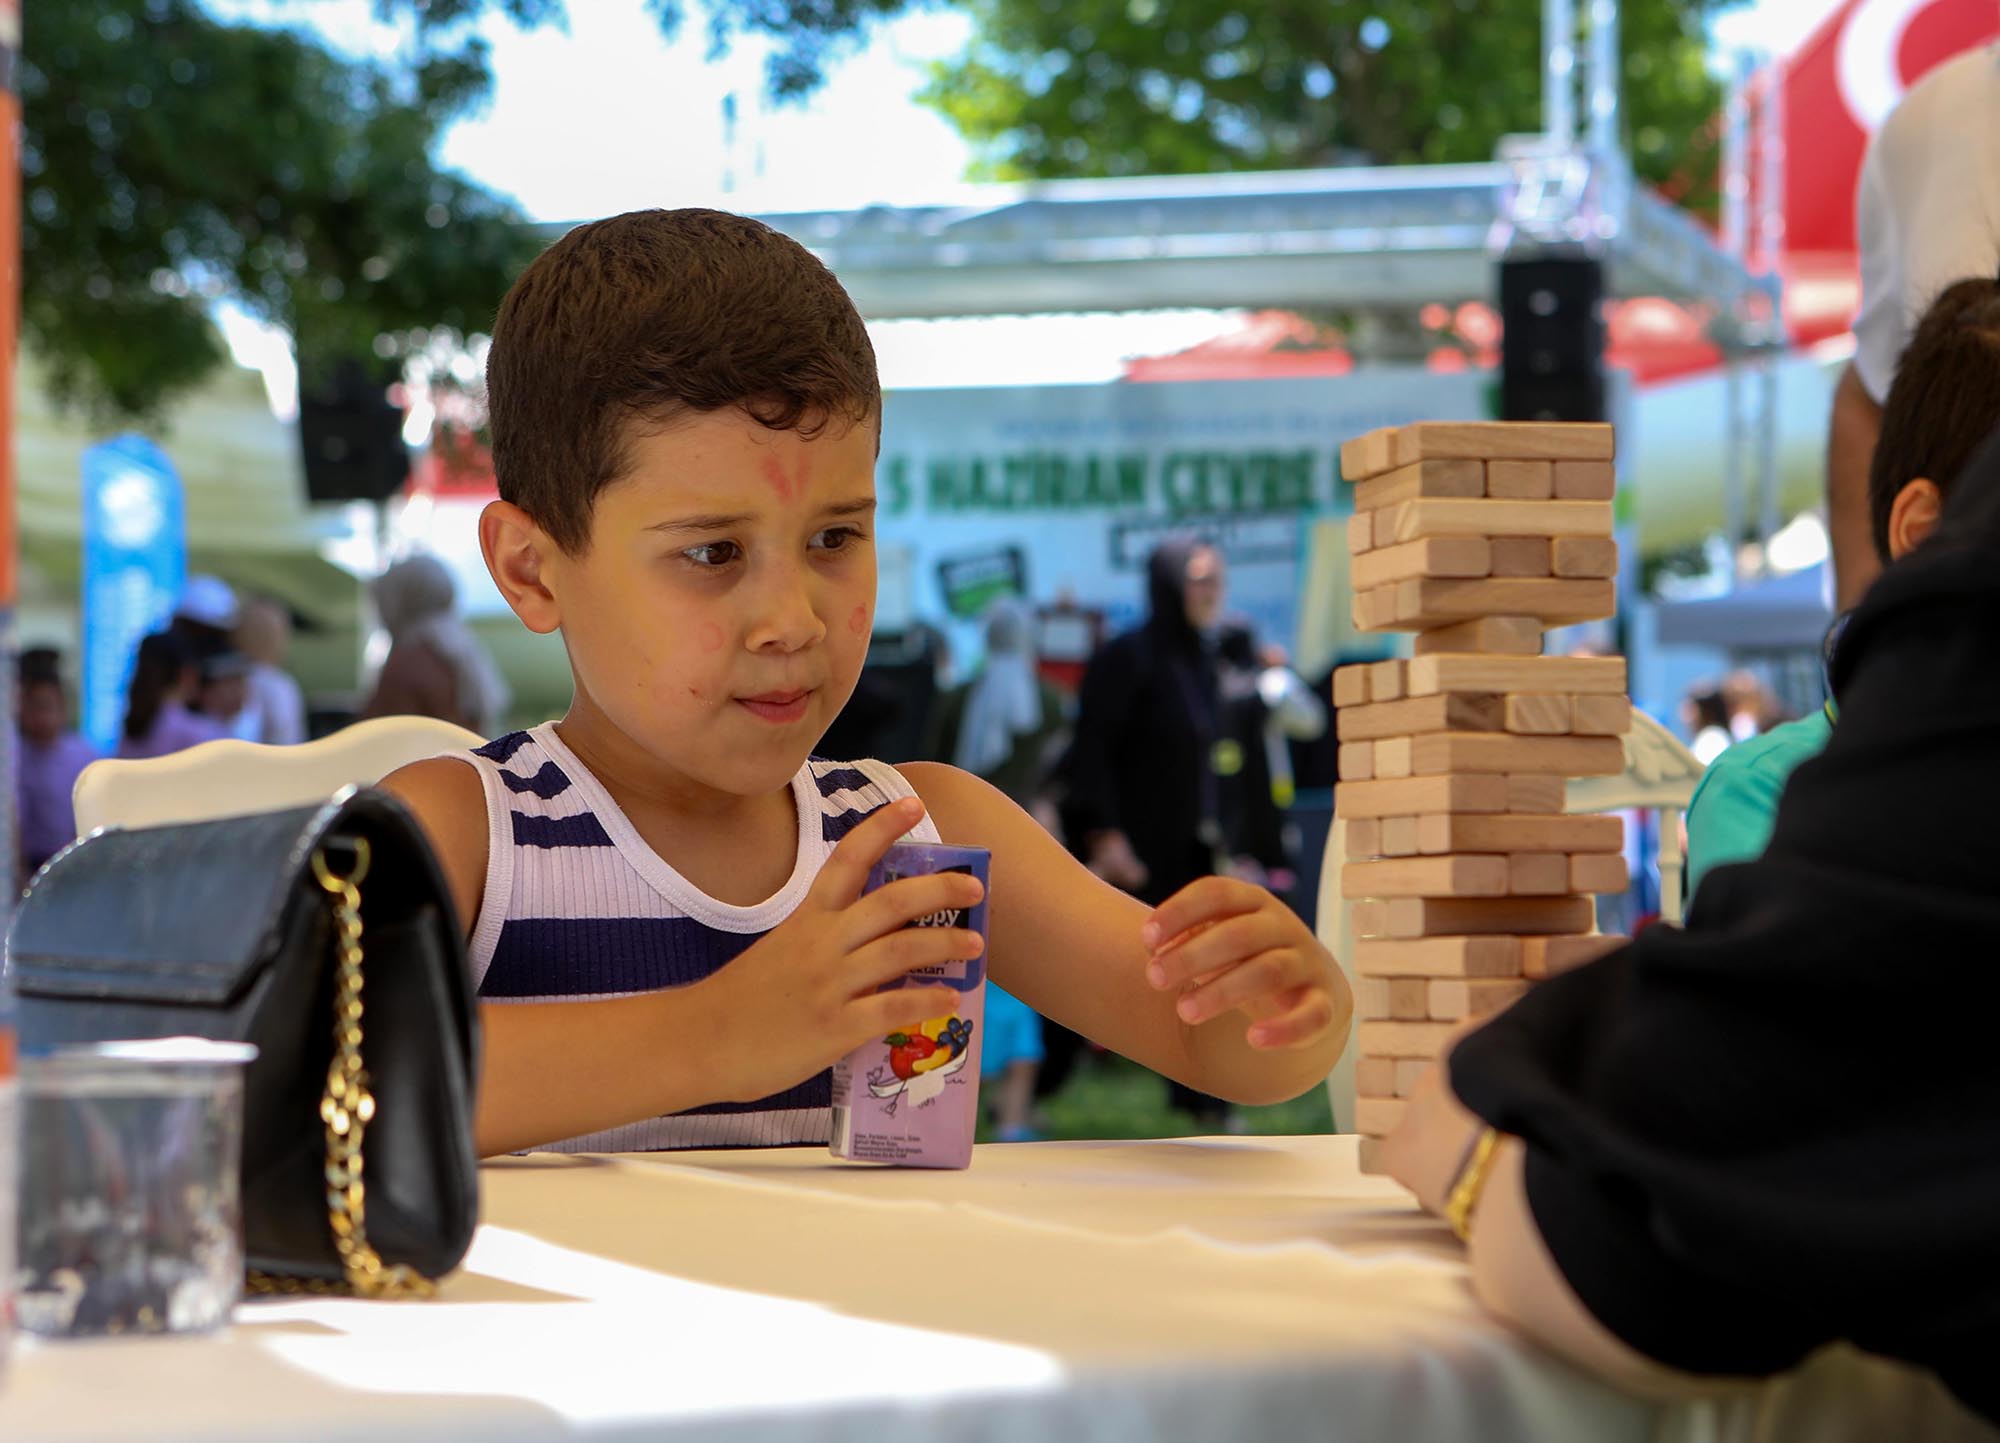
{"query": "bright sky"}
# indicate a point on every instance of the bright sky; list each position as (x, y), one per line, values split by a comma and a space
(609, 116)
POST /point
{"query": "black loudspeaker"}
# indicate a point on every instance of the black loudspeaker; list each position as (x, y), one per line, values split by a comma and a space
(1552, 339)
(351, 436)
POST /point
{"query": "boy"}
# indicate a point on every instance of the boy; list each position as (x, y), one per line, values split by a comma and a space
(1944, 402)
(52, 757)
(662, 886)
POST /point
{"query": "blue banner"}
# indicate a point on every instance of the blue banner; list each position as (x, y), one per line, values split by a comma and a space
(134, 560)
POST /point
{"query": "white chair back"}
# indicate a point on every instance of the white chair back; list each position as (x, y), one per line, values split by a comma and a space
(233, 778)
(1660, 774)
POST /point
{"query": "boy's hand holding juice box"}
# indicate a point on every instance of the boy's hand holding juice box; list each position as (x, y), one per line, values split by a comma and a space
(912, 1096)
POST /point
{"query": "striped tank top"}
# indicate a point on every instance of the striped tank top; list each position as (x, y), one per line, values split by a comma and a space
(577, 907)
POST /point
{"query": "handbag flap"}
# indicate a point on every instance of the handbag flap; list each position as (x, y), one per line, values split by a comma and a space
(185, 913)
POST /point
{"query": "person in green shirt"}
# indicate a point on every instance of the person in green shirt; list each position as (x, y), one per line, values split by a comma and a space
(1945, 400)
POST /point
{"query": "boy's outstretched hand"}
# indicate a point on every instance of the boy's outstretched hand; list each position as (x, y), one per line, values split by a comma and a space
(806, 994)
(1228, 945)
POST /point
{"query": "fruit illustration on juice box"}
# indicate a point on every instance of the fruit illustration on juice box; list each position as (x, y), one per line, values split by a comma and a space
(920, 1060)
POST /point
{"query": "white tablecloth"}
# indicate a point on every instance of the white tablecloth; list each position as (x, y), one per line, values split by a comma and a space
(1223, 1289)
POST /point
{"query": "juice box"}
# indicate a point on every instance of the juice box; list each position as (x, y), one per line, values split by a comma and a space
(912, 1098)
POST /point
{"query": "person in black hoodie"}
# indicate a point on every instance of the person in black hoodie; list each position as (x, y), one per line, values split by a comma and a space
(1716, 1149)
(1142, 803)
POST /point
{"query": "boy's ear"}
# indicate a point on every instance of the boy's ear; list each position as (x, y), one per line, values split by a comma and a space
(1913, 516)
(517, 553)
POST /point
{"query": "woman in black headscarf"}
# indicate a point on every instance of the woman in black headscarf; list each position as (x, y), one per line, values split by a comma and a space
(1142, 806)
(1717, 1149)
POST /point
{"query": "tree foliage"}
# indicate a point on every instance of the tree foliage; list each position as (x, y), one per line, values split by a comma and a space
(170, 161)
(1126, 87)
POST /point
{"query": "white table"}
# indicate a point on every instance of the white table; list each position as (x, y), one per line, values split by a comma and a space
(1223, 1289)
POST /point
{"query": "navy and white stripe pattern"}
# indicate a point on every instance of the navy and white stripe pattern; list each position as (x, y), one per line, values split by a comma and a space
(576, 906)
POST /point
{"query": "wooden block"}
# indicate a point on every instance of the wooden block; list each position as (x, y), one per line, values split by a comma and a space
(1583, 556)
(1602, 716)
(1432, 877)
(1356, 761)
(1422, 604)
(1370, 1154)
(1504, 440)
(1441, 752)
(1375, 609)
(1536, 795)
(1453, 999)
(1369, 919)
(1385, 680)
(1402, 1039)
(1585, 480)
(1589, 675)
(1378, 1116)
(1360, 533)
(1405, 999)
(1375, 1076)
(1447, 516)
(1399, 836)
(1426, 478)
(1548, 956)
(1598, 873)
(1413, 797)
(1438, 556)
(1350, 685)
(1446, 833)
(1394, 757)
(1536, 713)
(1515, 555)
(1495, 635)
(1537, 874)
(1468, 916)
(1440, 957)
(1369, 454)
(1519, 480)
(1409, 1072)
(1364, 838)
(1461, 711)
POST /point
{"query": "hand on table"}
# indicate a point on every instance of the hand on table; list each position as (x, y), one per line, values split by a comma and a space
(1227, 945)
(1425, 1152)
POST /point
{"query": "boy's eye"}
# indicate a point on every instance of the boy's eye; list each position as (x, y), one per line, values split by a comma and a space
(712, 554)
(834, 538)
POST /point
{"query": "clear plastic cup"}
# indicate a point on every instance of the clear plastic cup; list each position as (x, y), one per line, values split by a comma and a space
(131, 1162)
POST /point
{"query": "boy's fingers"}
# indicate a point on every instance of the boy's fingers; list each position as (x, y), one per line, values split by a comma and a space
(1209, 900)
(1219, 947)
(1265, 975)
(900, 953)
(846, 871)
(942, 897)
(885, 1012)
(1303, 1022)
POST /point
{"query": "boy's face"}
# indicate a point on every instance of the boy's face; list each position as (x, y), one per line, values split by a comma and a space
(43, 713)
(720, 614)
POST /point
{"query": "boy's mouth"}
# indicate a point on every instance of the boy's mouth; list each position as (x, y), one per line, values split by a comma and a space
(776, 706)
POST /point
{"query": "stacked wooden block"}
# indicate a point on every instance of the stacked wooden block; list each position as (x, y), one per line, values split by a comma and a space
(1466, 879)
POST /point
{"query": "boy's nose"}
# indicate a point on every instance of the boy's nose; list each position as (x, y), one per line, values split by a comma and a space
(787, 620)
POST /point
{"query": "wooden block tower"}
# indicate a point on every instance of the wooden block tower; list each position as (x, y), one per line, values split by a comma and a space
(1466, 879)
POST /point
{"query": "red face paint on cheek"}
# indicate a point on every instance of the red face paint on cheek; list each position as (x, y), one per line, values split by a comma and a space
(858, 623)
(710, 637)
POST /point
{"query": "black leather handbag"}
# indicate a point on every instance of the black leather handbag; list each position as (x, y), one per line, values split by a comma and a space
(326, 936)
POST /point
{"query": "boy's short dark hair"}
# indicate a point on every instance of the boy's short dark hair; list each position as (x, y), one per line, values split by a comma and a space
(40, 666)
(1944, 402)
(649, 315)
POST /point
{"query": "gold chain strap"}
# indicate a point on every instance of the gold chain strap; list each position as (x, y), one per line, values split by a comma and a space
(346, 1108)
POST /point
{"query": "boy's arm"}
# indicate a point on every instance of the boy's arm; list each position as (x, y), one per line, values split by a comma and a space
(1071, 946)
(789, 1006)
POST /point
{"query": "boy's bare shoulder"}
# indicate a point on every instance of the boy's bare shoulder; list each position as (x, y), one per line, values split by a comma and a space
(449, 801)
